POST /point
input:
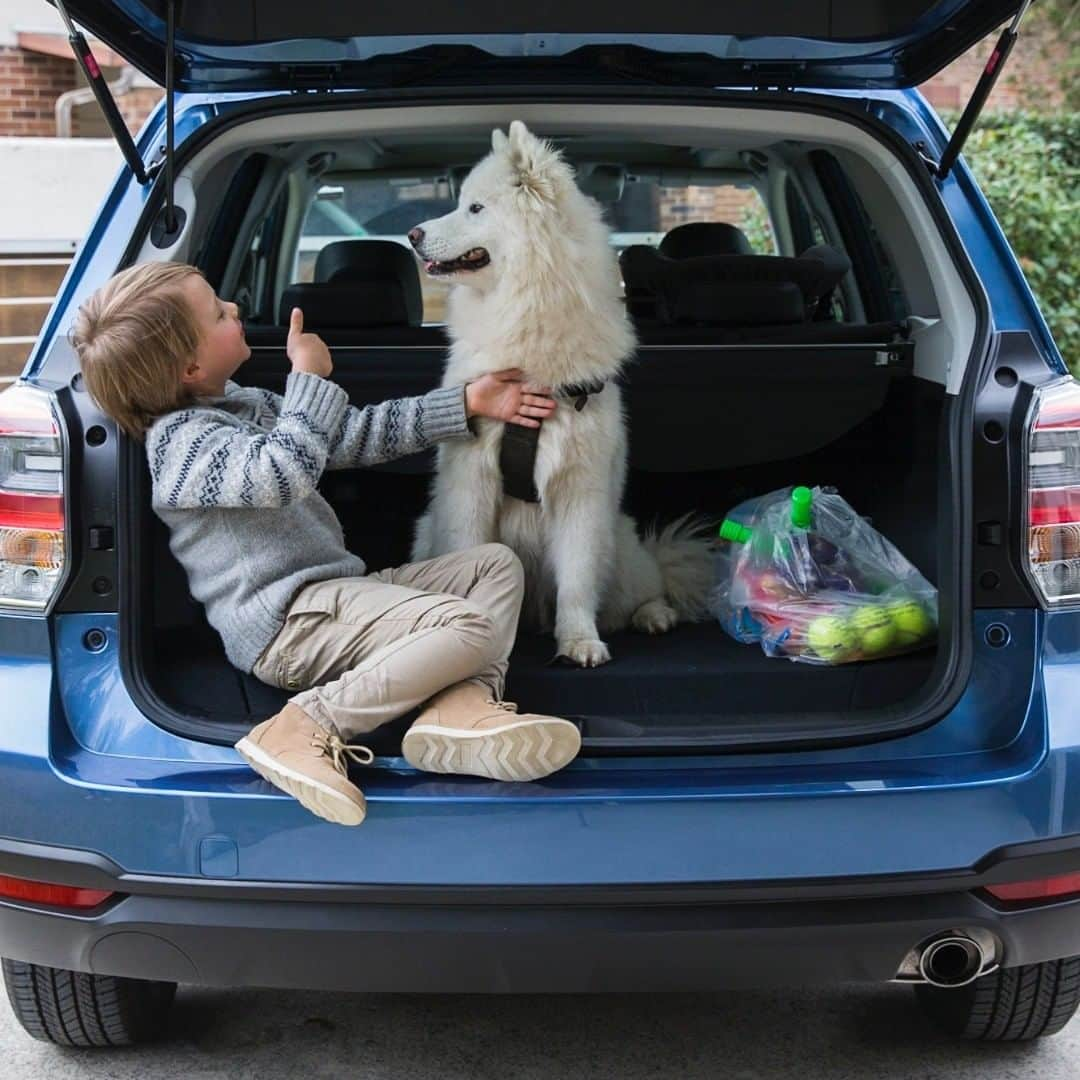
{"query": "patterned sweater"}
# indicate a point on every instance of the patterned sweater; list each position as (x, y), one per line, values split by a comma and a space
(234, 479)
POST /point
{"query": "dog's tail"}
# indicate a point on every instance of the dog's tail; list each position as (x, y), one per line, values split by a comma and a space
(682, 551)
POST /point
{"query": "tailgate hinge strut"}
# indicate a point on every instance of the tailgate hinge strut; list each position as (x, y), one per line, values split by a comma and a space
(165, 232)
(981, 92)
(96, 81)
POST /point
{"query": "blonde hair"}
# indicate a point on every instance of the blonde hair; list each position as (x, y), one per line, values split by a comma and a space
(133, 337)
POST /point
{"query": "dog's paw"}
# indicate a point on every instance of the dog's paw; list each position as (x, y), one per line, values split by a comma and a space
(585, 652)
(655, 617)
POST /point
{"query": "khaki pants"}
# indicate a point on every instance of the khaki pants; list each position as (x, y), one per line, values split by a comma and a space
(366, 650)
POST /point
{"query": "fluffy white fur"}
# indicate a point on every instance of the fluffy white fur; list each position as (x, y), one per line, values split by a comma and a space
(548, 301)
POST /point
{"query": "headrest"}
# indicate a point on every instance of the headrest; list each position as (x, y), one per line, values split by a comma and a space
(695, 289)
(835, 262)
(375, 261)
(604, 182)
(705, 238)
(346, 304)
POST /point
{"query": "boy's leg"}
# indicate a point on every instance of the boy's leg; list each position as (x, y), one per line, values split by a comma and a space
(365, 651)
(489, 576)
(384, 648)
(467, 728)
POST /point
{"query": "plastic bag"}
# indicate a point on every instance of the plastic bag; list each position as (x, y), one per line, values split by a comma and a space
(816, 583)
(738, 622)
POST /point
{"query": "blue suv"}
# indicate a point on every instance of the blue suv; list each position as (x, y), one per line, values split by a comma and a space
(732, 818)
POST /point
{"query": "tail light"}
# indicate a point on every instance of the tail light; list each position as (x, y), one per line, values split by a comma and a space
(32, 539)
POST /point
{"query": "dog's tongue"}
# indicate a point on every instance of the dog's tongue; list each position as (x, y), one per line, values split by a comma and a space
(429, 265)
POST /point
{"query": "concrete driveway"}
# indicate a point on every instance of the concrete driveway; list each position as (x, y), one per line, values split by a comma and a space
(871, 1033)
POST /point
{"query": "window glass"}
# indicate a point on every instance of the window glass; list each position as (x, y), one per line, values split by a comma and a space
(648, 210)
(377, 208)
(386, 208)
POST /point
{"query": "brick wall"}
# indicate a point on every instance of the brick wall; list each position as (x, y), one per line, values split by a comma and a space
(30, 83)
(135, 106)
(1030, 79)
(728, 203)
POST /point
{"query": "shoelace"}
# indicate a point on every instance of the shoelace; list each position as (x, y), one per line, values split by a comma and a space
(506, 706)
(341, 753)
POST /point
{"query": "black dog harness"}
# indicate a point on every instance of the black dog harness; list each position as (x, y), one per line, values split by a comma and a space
(517, 454)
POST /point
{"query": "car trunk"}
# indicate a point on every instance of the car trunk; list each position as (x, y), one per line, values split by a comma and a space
(711, 424)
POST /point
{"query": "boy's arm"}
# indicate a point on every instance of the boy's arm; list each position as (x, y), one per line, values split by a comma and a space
(197, 461)
(396, 428)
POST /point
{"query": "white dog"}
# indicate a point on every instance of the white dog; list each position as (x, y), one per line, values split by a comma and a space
(536, 286)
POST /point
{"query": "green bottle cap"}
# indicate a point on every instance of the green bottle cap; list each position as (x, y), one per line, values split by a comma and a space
(732, 530)
(801, 499)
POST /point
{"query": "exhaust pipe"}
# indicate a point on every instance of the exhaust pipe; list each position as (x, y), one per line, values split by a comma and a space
(953, 960)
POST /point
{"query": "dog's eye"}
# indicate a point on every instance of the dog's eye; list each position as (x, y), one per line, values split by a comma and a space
(475, 208)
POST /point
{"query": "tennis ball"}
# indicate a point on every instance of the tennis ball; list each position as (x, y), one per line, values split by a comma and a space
(874, 628)
(909, 620)
(831, 638)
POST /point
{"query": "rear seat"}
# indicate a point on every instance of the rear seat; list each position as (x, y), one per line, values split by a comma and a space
(358, 283)
(729, 289)
(802, 381)
(705, 238)
(364, 292)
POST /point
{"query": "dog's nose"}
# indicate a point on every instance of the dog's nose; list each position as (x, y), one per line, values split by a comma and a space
(416, 236)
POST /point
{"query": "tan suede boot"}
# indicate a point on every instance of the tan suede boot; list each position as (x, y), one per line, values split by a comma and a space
(464, 730)
(301, 757)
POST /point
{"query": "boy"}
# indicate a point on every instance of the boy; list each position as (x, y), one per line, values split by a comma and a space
(234, 474)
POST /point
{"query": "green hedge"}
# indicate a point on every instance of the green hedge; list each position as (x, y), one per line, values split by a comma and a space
(1028, 166)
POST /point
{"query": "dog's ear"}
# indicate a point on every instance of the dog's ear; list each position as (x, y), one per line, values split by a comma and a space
(539, 166)
(523, 147)
(498, 139)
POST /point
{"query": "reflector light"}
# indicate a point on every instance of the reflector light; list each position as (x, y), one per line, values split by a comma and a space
(1042, 889)
(32, 527)
(41, 892)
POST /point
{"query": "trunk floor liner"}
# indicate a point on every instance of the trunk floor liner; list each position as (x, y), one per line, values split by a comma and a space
(694, 676)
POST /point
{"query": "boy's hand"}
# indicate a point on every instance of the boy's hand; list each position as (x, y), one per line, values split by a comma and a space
(308, 352)
(503, 396)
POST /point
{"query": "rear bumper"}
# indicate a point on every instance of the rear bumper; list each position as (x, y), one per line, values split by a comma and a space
(569, 939)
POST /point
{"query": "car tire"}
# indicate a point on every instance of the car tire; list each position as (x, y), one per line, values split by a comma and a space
(1008, 1005)
(70, 1008)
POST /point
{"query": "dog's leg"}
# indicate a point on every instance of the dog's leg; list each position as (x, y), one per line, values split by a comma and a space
(582, 551)
(636, 594)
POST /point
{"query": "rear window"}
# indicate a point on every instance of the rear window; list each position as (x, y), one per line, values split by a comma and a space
(650, 208)
(377, 208)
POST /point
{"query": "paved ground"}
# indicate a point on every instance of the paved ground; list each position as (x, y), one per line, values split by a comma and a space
(869, 1034)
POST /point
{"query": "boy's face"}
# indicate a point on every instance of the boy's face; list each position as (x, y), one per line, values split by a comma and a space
(222, 348)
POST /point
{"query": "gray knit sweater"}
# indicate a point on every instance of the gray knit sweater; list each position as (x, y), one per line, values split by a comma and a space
(234, 479)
